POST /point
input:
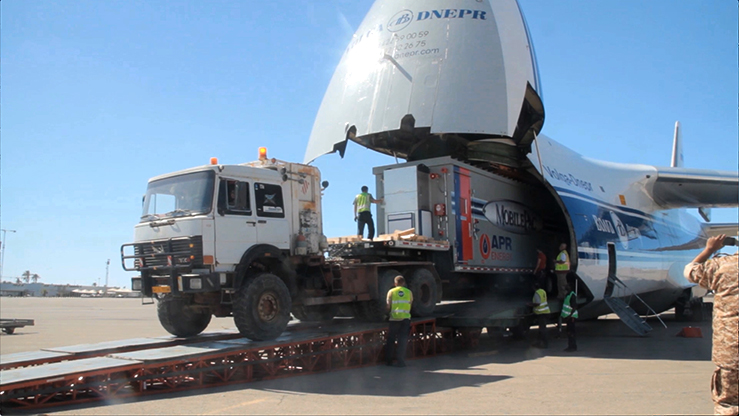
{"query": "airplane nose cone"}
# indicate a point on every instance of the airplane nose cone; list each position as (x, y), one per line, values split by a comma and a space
(423, 78)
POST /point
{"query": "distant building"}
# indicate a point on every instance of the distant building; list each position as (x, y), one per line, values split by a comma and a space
(52, 290)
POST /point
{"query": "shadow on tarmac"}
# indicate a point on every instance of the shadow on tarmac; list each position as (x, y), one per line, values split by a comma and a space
(608, 337)
(604, 338)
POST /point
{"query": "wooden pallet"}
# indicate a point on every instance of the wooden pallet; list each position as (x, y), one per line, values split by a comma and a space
(405, 235)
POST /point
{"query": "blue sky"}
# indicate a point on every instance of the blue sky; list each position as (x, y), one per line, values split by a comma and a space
(98, 96)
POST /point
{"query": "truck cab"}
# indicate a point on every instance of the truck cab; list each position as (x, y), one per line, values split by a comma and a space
(207, 232)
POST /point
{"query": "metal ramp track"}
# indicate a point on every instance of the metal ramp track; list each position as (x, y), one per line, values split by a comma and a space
(628, 316)
(214, 363)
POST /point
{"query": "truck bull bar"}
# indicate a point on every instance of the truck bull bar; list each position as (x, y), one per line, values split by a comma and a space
(174, 259)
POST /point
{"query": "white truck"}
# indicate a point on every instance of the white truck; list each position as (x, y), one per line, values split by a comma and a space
(247, 240)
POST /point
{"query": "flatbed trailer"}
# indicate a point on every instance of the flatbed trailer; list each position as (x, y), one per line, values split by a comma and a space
(9, 325)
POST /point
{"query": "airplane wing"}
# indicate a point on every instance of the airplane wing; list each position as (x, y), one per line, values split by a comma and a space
(727, 228)
(677, 187)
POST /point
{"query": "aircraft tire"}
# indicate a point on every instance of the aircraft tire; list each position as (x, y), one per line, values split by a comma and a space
(696, 309)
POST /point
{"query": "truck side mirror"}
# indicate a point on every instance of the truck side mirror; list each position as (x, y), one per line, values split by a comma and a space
(324, 185)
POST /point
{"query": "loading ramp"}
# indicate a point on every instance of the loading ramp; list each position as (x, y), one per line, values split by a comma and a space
(123, 369)
(10, 325)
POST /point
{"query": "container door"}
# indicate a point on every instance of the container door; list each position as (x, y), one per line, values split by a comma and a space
(462, 201)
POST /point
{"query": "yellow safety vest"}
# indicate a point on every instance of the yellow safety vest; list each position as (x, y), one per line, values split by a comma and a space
(563, 256)
(543, 307)
(400, 303)
(567, 308)
(363, 202)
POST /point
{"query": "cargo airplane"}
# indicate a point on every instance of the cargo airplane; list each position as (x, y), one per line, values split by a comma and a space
(416, 82)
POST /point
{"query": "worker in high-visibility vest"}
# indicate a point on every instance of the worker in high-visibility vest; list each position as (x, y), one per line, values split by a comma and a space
(399, 301)
(569, 316)
(541, 310)
(363, 214)
(561, 269)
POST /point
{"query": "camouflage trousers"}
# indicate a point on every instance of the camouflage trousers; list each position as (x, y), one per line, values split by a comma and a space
(725, 391)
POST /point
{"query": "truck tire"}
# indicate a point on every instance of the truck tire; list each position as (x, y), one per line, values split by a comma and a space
(180, 318)
(425, 292)
(261, 307)
(375, 310)
(317, 313)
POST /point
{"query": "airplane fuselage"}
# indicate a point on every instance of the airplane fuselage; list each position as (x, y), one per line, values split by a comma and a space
(610, 212)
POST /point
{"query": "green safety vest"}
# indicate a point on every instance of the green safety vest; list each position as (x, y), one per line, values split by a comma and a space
(543, 307)
(563, 256)
(400, 303)
(363, 202)
(567, 308)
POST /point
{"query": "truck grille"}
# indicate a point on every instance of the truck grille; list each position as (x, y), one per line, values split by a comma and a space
(184, 251)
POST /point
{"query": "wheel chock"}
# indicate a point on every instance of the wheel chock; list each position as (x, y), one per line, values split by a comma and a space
(690, 332)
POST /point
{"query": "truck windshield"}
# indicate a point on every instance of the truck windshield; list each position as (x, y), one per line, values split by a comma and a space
(184, 195)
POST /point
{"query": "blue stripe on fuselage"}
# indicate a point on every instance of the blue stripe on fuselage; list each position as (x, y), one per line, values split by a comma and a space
(597, 223)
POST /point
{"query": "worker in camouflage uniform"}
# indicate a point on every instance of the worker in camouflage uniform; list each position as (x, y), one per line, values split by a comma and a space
(720, 275)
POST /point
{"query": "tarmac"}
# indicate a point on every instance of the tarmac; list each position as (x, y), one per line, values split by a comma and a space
(613, 372)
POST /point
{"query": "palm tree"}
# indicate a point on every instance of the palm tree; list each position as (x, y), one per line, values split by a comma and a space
(26, 276)
(35, 278)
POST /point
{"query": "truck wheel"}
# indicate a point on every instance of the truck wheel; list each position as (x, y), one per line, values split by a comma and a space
(261, 307)
(423, 286)
(180, 318)
(9, 331)
(375, 310)
(317, 313)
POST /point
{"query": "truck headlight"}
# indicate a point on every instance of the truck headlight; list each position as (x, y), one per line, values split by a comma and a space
(136, 284)
(196, 283)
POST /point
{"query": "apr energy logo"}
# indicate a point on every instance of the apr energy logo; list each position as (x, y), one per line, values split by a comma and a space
(511, 216)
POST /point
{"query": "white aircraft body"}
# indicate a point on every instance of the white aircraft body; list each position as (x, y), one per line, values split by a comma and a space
(429, 78)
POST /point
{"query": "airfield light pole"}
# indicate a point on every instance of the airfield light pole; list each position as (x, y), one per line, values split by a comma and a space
(107, 267)
(2, 251)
